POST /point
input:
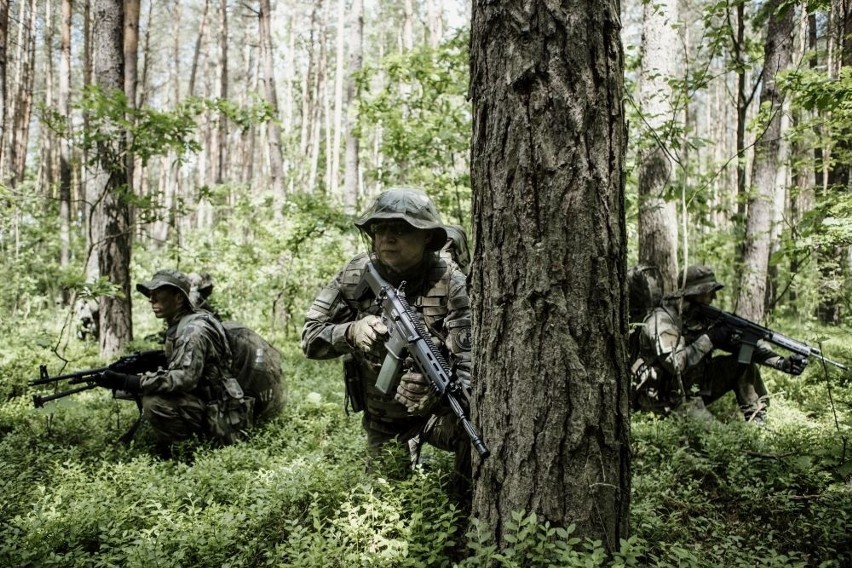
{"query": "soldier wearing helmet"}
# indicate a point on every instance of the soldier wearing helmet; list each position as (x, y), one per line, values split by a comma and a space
(195, 395)
(405, 233)
(676, 360)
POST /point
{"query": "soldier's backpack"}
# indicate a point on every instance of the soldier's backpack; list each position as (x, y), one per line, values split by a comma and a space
(257, 367)
(645, 292)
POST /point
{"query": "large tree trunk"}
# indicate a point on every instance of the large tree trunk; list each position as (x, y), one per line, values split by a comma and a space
(778, 51)
(110, 182)
(353, 144)
(658, 216)
(548, 282)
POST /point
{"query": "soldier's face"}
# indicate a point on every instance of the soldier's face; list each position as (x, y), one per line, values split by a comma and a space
(166, 302)
(706, 298)
(399, 245)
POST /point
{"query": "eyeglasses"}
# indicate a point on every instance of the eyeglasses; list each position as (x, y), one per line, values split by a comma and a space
(393, 228)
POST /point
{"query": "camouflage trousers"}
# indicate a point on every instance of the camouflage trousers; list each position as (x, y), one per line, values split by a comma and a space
(725, 374)
(175, 416)
(657, 391)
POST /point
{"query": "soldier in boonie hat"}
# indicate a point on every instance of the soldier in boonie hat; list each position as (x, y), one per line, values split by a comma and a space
(168, 277)
(195, 393)
(406, 234)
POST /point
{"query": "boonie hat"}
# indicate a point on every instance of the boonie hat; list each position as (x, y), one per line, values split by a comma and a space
(700, 280)
(167, 277)
(411, 205)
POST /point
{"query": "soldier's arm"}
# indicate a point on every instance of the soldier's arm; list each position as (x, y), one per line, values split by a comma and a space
(458, 327)
(186, 365)
(326, 323)
(669, 345)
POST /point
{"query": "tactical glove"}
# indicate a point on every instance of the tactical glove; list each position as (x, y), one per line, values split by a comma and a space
(721, 335)
(110, 379)
(794, 364)
(367, 334)
(416, 394)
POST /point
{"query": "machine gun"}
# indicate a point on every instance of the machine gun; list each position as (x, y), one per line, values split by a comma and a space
(135, 363)
(749, 333)
(407, 335)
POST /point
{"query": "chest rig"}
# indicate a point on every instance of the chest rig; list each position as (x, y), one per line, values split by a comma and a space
(429, 298)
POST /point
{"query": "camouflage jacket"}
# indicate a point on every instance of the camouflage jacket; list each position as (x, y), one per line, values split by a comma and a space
(440, 297)
(198, 354)
(679, 345)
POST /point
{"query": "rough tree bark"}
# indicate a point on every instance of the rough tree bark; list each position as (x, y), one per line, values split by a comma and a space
(548, 281)
(778, 52)
(273, 130)
(110, 182)
(657, 216)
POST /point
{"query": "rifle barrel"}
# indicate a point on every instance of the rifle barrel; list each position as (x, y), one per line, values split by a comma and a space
(39, 400)
(77, 377)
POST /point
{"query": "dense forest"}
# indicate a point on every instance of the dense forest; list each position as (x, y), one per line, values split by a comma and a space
(243, 139)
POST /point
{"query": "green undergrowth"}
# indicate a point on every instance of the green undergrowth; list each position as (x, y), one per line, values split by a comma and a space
(718, 493)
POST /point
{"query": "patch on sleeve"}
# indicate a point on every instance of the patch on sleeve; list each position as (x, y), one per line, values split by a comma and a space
(461, 338)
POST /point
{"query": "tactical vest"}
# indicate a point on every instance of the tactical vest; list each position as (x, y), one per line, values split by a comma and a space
(431, 301)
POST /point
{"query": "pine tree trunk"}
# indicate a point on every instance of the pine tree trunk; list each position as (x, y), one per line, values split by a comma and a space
(110, 182)
(4, 91)
(273, 131)
(353, 144)
(751, 302)
(64, 140)
(549, 304)
(337, 115)
(657, 215)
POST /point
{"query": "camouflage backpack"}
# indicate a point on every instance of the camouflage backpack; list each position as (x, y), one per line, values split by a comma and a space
(257, 367)
(645, 292)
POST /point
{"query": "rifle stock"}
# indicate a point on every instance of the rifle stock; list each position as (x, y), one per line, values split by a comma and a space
(407, 335)
(750, 333)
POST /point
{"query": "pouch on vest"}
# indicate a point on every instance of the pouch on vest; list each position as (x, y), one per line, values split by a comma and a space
(354, 389)
(230, 414)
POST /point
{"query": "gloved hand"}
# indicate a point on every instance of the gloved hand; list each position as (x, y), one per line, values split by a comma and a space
(367, 334)
(416, 394)
(110, 379)
(721, 335)
(794, 364)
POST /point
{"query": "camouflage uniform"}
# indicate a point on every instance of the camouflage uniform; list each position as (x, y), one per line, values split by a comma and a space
(435, 289)
(675, 352)
(175, 400)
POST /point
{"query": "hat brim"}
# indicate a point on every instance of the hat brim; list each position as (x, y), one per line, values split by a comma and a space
(697, 290)
(145, 288)
(439, 233)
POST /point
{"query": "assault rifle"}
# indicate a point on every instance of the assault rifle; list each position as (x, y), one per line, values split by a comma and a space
(407, 335)
(749, 333)
(135, 363)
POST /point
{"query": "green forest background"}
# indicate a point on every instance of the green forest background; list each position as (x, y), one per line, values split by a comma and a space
(720, 493)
